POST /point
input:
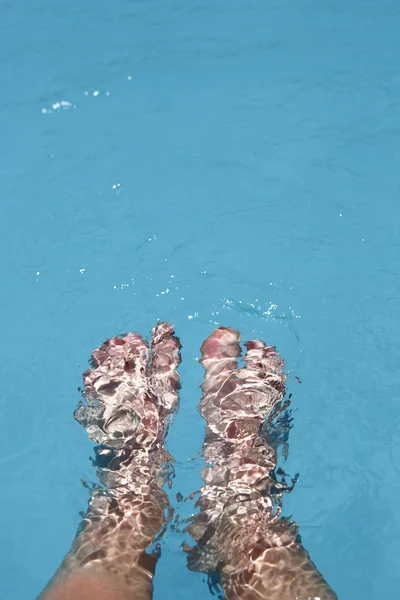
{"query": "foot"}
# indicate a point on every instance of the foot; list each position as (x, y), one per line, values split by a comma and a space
(130, 393)
(239, 531)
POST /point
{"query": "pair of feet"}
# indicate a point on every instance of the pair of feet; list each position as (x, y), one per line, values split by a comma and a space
(130, 395)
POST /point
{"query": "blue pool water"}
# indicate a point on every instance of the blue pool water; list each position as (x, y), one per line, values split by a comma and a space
(203, 162)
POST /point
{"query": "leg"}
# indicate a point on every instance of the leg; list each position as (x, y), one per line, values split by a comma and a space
(238, 530)
(130, 394)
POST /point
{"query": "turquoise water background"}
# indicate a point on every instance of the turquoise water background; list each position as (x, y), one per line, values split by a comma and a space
(203, 162)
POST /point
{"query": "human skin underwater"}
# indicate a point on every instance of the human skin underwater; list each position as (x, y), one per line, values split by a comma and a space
(130, 395)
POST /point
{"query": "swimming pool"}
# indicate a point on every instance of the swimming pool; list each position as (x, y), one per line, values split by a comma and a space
(230, 163)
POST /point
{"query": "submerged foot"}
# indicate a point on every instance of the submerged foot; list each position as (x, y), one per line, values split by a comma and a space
(238, 530)
(130, 393)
